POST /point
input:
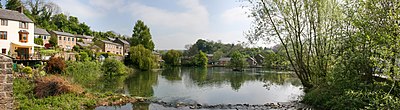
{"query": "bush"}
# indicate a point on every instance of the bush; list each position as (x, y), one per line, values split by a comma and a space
(84, 56)
(113, 67)
(54, 85)
(84, 73)
(27, 70)
(142, 58)
(56, 65)
(172, 57)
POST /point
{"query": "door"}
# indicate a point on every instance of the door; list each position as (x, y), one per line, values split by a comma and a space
(23, 53)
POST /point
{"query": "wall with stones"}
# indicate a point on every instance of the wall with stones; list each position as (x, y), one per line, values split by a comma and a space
(6, 83)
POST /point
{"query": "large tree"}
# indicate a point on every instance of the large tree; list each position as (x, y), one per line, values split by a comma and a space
(172, 57)
(13, 4)
(306, 29)
(238, 61)
(141, 36)
(141, 58)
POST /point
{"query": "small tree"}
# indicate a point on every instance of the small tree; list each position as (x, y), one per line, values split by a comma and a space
(113, 67)
(238, 61)
(172, 57)
(84, 56)
(53, 41)
(56, 65)
(142, 58)
(38, 41)
(201, 59)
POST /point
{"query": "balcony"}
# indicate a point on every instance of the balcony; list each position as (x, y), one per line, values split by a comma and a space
(26, 57)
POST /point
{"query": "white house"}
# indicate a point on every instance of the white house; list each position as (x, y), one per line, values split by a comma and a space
(16, 34)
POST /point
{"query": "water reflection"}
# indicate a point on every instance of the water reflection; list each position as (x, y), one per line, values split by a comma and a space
(207, 86)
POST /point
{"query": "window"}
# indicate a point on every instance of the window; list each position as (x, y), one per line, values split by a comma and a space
(72, 39)
(3, 35)
(44, 37)
(59, 37)
(23, 25)
(23, 36)
(4, 22)
(65, 38)
(69, 39)
(3, 51)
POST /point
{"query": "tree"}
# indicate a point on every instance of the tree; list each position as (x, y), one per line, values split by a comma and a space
(38, 41)
(1, 5)
(112, 67)
(142, 58)
(238, 61)
(141, 36)
(13, 4)
(308, 31)
(53, 41)
(172, 57)
(217, 55)
(201, 59)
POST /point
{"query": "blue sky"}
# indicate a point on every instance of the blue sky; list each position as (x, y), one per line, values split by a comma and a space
(173, 23)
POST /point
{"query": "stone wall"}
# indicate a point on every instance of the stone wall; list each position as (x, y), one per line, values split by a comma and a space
(6, 83)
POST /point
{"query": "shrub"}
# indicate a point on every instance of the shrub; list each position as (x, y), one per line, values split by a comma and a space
(56, 65)
(84, 73)
(84, 56)
(113, 67)
(142, 58)
(27, 70)
(172, 57)
(54, 85)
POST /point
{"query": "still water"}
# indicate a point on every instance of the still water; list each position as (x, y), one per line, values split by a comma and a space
(205, 86)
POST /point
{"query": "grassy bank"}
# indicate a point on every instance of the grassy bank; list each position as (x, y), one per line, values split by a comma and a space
(58, 92)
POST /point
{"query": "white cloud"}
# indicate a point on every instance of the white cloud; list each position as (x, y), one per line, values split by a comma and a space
(77, 8)
(235, 15)
(193, 19)
(106, 4)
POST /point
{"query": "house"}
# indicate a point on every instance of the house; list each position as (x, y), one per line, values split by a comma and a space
(260, 59)
(108, 46)
(84, 38)
(124, 43)
(66, 41)
(90, 46)
(224, 61)
(43, 34)
(17, 35)
(251, 61)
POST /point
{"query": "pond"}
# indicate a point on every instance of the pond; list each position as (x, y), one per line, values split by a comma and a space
(204, 86)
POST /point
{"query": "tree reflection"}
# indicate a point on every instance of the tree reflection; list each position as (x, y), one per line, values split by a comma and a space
(172, 73)
(141, 83)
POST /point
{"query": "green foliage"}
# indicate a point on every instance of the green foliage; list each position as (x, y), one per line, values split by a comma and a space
(274, 60)
(200, 59)
(13, 4)
(27, 70)
(172, 57)
(141, 58)
(56, 65)
(217, 55)
(24, 97)
(141, 36)
(84, 56)
(53, 41)
(238, 61)
(38, 41)
(112, 67)
(48, 52)
(84, 73)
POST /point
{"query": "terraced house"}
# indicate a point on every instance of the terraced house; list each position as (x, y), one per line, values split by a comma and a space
(66, 41)
(16, 35)
(111, 47)
(43, 34)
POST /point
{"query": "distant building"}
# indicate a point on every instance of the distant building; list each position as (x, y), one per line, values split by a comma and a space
(260, 59)
(224, 61)
(125, 45)
(66, 41)
(111, 47)
(251, 61)
(84, 38)
(43, 34)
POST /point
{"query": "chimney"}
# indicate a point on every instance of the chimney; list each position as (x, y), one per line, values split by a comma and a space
(20, 9)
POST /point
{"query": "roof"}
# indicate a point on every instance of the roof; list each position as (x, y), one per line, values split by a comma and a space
(110, 38)
(109, 42)
(84, 36)
(13, 15)
(82, 44)
(225, 59)
(63, 33)
(41, 31)
(123, 41)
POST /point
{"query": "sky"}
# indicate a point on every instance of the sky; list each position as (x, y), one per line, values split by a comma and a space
(173, 23)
